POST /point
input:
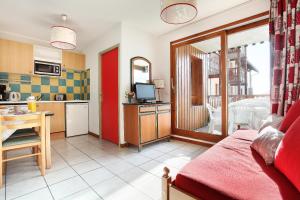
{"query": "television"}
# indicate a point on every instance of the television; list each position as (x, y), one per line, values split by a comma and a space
(145, 92)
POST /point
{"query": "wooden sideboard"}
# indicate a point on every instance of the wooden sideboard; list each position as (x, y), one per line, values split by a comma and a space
(146, 123)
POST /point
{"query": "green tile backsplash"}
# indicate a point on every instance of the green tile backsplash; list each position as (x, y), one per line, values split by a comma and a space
(75, 84)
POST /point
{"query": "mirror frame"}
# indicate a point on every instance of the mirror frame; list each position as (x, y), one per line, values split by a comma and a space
(132, 73)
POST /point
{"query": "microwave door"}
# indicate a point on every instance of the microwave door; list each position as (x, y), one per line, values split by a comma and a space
(44, 68)
(47, 69)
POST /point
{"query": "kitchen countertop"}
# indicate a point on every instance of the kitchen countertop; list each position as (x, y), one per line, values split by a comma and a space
(25, 102)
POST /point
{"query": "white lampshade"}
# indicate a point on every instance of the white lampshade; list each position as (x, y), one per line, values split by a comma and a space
(178, 11)
(159, 84)
(63, 37)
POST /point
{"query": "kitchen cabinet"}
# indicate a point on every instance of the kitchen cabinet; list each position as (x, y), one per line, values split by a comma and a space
(72, 60)
(16, 57)
(144, 124)
(58, 120)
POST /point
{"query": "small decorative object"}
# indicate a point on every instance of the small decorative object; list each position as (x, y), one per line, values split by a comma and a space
(63, 37)
(178, 11)
(159, 84)
(129, 95)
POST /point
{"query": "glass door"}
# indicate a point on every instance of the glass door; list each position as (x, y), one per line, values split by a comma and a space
(197, 87)
(248, 78)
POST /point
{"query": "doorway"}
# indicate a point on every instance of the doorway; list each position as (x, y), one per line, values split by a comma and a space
(201, 78)
(109, 95)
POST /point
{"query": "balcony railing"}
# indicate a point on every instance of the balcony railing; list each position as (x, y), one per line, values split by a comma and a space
(215, 100)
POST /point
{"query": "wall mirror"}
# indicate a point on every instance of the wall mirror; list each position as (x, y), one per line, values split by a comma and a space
(140, 71)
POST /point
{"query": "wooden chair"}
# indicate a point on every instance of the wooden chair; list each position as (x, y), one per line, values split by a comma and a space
(36, 120)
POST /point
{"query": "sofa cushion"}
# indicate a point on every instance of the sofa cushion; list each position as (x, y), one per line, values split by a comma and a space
(290, 117)
(266, 143)
(272, 120)
(287, 157)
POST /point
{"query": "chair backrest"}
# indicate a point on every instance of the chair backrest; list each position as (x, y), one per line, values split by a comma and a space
(211, 118)
(30, 120)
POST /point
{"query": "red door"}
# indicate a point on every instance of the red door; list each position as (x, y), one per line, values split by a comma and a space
(110, 97)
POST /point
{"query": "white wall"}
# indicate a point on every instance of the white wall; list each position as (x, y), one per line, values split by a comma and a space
(162, 69)
(105, 41)
(134, 43)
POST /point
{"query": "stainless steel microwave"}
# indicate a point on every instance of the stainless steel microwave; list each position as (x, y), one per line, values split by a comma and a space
(47, 68)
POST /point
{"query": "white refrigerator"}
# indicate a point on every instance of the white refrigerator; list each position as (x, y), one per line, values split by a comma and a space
(77, 119)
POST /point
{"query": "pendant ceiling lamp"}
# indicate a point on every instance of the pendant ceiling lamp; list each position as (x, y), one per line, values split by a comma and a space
(63, 37)
(178, 11)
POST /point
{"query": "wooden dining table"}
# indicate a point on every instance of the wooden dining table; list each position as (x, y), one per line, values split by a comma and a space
(47, 136)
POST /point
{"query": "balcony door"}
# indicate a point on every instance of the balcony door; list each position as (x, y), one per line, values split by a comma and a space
(204, 71)
(197, 93)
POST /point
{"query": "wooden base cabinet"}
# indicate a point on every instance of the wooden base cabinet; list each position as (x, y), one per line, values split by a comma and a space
(144, 124)
(163, 124)
(58, 119)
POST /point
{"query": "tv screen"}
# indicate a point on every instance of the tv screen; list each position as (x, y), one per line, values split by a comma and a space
(145, 91)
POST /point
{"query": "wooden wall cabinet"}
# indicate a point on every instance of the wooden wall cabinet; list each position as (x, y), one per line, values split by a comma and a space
(58, 120)
(16, 57)
(72, 60)
(144, 124)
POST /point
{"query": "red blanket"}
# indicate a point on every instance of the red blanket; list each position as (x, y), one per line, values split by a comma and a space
(232, 170)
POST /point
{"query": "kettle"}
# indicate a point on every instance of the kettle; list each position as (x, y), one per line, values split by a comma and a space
(14, 96)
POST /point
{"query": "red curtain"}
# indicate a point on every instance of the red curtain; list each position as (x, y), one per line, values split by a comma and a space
(285, 53)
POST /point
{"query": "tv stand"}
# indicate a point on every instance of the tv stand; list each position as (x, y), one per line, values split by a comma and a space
(146, 102)
(146, 123)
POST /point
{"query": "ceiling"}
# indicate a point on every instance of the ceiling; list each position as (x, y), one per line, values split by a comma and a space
(247, 37)
(92, 18)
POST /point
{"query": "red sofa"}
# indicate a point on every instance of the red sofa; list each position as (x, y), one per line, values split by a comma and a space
(232, 170)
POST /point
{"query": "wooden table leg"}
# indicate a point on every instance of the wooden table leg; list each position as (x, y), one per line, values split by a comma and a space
(48, 143)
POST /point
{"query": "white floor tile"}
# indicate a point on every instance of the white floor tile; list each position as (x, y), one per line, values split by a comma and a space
(73, 160)
(24, 187)
(133, 175)
(60, 175)
(86, 166)
(87, 194)
(150, 153)
(157, 168)
(68, 187)
(107, 159)
(77, 139)
(164, 147)
(2, 193)
(149, 185)
(97, 176)
(177, 162)
(43, 194)
(197, 153)
(185, 150)
(116, 189)
(98, 154)
(57, 164)
(136, 159)
(21, 172)
(119, 167)
(106, 171)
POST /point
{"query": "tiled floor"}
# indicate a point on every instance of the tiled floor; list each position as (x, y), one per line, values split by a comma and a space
(88, 169)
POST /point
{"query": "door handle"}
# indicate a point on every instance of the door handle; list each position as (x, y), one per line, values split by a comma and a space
(172, 85)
